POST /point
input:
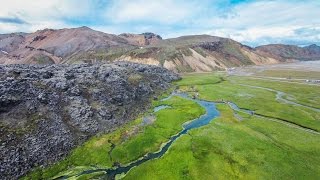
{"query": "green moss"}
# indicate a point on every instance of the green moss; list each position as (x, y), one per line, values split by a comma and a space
(302, 93)
(228, 149)
(131, 141)
(42, 59)
(93, 152)
(290, 74)
(199, 79)
(169, 122)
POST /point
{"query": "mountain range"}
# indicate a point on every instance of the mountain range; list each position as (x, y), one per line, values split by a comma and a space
(194, 53)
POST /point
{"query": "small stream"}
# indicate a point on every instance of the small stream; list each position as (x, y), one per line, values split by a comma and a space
(211, 113)
(236, 108)
(252, 113)
(158, 108)
(280, 97)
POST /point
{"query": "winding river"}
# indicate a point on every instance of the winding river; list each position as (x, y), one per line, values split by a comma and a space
(211, 113)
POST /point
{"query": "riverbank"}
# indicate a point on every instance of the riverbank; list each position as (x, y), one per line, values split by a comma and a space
(268, 137)
(130, 142)
(252, 147)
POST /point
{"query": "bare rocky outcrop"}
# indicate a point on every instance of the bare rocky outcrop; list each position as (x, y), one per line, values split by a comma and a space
(143, 39)
(45, 111)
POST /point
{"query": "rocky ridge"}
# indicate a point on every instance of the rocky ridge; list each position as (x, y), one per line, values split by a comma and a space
(143, 39)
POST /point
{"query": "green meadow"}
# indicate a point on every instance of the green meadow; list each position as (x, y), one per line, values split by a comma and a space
(229, 149)
(130, 142)
(253, 148)
(236, 145)
(290, 74)
(263, 101)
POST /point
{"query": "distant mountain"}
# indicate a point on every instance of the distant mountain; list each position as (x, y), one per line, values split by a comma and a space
(182, 54)
(196, 53)
(289, 52)
(143, 39)
(55, 46)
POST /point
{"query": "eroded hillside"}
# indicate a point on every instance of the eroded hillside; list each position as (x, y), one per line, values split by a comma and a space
(196, 53)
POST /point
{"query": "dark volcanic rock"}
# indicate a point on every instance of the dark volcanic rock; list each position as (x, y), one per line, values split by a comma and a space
(45, 111)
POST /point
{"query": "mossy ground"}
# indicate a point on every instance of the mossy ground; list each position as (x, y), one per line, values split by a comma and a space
(229, 149)
(290, 74)
(131, 141)
(253, 148)
(262, 101)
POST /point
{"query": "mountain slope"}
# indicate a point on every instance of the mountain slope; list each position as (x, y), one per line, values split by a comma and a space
(141, 39)
(57, 45)
(288, 52)
(183, 54)
(197, 53)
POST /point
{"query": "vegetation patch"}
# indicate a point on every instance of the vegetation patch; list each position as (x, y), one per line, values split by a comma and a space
(234, 146)
(127, 143)
(42, 59)
(289, 74)
(229, 149)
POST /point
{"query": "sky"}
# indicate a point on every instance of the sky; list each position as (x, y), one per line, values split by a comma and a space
(247, 21)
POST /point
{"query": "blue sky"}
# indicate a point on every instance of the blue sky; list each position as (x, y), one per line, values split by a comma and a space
(248, 21)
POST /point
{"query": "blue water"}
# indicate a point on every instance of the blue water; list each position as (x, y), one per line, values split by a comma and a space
(211, 113)
(158, 108)
(236, 108)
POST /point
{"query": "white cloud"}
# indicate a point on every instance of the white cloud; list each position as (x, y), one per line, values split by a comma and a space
(272, 13)
(253, 33)
(39, 14)
(164, 11)
(269, 22)
(254, 22)
(7, 27)
(40, 9)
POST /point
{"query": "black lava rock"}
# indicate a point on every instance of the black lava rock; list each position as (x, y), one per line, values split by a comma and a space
(46, 111)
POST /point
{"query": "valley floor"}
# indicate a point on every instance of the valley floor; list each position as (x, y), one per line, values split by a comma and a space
(268, 128)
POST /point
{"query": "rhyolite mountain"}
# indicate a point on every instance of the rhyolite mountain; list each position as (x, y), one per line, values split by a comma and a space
(141, 39)
(183, 54)
(47, 110)
(290, 52)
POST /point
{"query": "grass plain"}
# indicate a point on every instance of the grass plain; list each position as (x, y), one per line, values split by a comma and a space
(227, 148)
(130, 142)
(253, 148)
(289, 74)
